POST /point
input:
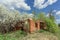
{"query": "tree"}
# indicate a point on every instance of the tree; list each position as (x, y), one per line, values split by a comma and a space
(41, 16)
(51, 26)
(51, 15)
(34, 15)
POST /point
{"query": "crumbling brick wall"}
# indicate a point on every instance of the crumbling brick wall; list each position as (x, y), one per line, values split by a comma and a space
(32, 27)
(37, 24)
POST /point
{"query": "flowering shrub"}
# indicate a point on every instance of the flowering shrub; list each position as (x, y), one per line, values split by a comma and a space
(8, 19)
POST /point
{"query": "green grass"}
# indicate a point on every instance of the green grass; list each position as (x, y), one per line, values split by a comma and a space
(19, 35)
(13, 36)
(58, 34)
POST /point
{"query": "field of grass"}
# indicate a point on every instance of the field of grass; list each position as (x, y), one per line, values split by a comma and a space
(20, 35)
(17, 35)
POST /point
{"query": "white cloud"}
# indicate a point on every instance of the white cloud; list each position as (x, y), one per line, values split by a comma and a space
(58, 20)
(40, 4)
(54, 10)
(57, 16)
(58, 13)
(12, 4)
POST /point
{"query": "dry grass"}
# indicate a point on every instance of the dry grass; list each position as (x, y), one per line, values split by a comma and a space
(34, 36)
(40, 36)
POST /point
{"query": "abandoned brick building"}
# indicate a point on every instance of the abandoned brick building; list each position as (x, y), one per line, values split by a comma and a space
(27, 25)
(31, 27)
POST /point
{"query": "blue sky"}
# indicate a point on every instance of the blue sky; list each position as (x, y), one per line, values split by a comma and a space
(34, 5)
(54, 6)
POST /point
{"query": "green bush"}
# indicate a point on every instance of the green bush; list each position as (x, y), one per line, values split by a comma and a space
(50, 22)
(59, 24)
(51, 26)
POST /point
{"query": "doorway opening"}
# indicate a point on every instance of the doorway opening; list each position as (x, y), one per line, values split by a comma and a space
(42, 25)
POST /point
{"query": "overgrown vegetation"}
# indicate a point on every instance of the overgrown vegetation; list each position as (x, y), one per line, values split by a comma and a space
(9, 18)
(51, 26)
(59, 24)
(17, 35)
(50, 22)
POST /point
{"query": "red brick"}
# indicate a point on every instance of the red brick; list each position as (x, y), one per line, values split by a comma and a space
(31, 25)
(38, 25)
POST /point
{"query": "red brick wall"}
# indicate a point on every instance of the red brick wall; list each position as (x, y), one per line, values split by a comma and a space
(38, 25)
(32, 27)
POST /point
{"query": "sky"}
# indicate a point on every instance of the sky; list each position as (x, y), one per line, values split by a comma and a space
(34, 5)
